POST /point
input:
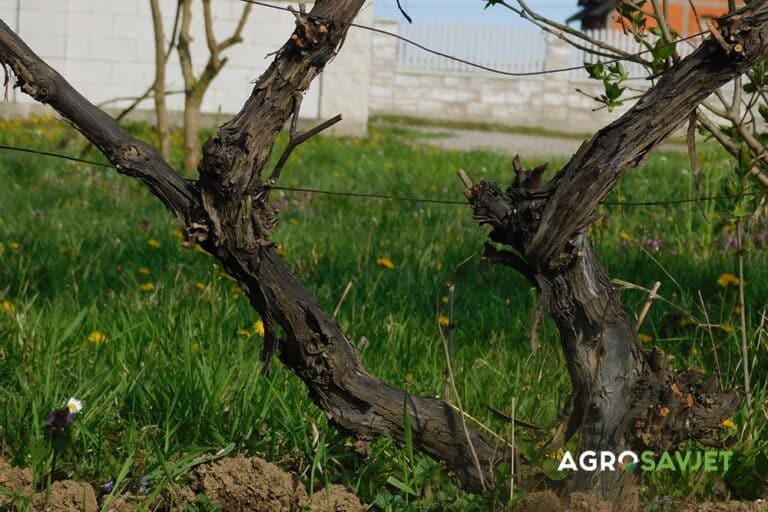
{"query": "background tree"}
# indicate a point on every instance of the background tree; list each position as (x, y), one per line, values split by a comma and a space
(542, 224)
(195, 87)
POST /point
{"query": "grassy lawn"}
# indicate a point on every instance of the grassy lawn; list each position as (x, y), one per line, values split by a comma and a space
(101, 301)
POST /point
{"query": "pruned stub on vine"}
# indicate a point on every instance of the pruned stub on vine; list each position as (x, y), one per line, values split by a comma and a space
(309, 32)
(680, 406)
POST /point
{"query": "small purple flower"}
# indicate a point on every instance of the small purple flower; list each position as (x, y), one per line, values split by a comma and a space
(108, 487)
(60, 418)
(653, 244)
(144, 487)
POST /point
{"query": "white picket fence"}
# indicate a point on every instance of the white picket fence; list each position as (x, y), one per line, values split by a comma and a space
(500, 47)
(504, 47)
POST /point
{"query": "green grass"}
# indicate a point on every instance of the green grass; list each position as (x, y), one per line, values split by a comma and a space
(178, 377)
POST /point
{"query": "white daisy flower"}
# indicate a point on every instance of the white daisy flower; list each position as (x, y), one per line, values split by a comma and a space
(74, 405)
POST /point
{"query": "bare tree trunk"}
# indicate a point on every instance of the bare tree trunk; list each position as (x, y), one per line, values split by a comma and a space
(161, 111)
(196, 87)
(623, 397)
(192, 103)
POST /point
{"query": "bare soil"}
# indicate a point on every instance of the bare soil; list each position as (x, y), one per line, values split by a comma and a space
(548, 501)
(241, 484)
(237, 484)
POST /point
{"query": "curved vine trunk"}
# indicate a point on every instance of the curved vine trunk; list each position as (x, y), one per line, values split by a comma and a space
(622, 397)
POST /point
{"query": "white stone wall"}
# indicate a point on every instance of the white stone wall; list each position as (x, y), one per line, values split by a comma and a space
(548, 101)
(105, 48)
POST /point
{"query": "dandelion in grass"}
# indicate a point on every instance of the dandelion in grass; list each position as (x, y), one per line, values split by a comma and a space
(196, 347)
(258, 328)
(7, 306)
(644, 338)
(443, 321)
(176, 233)
(728, 279)
(280, 250)
(14, 246)
(153, 243)
(385, 263)
(96, 337)
(244, 333)
(729, 424)
(147, 287)
(200, 286)
(624, 236)
(144, 271)
(728, 328)
(237, 292)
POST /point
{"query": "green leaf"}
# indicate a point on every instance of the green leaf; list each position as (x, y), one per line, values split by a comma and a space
(595, 70)
(401, 486)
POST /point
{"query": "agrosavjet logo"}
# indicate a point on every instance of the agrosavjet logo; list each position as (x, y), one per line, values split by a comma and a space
(709, 460)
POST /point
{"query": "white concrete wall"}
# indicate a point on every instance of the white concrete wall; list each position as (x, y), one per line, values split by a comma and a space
(548, 101)
(105, 48)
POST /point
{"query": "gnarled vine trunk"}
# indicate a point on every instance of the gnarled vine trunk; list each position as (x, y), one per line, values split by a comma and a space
(622, 397)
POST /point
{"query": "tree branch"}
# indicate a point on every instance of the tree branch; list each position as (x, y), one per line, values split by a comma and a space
(601, 162)
(131, 156)
(232, 219)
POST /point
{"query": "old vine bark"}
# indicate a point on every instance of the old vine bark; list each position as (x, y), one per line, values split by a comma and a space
(228, 212)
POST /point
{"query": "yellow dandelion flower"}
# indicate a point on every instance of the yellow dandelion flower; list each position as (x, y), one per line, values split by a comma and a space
(727, 279)
(644, 338)
(144, 271)
(385, 263)
(727, 328)
(280, 250)
(737, 310)
(147, 287)
(96, 337)
(14, 246)
(728, 423)
(176, 233)
(293, 222)
(245, 333)
(200, 286)
(153, 243)
(624, 236)
(196, 347)
(443, 321)
(258, 328)
(7, 306)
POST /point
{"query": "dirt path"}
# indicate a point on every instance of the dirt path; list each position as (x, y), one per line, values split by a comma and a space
(531, 146)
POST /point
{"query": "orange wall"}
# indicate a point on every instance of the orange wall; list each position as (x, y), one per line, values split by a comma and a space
(683, 19)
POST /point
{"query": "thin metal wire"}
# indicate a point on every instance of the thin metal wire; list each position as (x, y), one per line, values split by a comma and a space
(410, 199)
(459, 59)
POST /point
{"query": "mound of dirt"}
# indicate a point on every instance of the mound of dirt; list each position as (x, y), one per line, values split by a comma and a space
(245, 484)
(16, 480)
(67, 496)
(253, 484)
(235, 484)
(336, 498)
